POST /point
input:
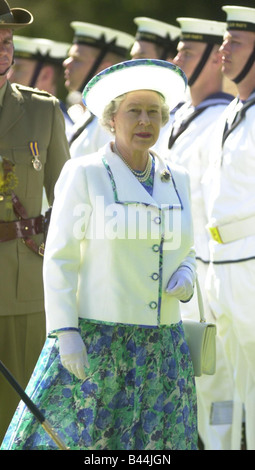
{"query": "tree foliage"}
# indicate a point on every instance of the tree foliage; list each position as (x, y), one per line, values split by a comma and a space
(52, 18)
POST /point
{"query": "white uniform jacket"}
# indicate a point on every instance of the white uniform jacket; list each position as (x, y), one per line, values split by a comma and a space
(111, 247)
(229, 184)
(191, 149)
(91, 136)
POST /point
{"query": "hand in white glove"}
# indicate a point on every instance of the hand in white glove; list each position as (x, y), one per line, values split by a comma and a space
(73, 353)
(181, 284)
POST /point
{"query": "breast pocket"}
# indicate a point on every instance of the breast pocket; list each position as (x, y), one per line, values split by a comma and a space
(29, 170)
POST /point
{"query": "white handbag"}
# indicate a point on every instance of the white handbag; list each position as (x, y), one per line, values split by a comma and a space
(201, 340)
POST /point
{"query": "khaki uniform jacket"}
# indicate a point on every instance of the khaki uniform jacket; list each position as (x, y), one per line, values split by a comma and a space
(28, 115)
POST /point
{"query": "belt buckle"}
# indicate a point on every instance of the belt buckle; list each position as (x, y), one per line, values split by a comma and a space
(41, 249)
(215, 234)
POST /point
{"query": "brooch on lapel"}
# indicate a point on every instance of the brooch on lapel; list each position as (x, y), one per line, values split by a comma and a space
(37, 164)
(165, 176)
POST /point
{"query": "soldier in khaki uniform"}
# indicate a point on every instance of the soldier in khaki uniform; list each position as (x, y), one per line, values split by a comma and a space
(33, 149)
(38, 64)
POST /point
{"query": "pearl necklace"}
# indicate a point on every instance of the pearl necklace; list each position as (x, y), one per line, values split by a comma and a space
(140, 175)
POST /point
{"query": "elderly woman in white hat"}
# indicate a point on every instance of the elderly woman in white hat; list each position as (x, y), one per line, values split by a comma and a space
(115, 372)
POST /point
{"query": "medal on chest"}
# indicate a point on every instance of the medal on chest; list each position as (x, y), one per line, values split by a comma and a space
(37, 164)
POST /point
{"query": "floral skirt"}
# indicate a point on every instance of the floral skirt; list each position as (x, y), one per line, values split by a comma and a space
(139, 393)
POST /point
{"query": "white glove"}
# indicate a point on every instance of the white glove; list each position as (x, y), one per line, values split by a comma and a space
(181, 284)
(73, 353)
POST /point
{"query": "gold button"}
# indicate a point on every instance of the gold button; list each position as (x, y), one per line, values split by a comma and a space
(1, 197)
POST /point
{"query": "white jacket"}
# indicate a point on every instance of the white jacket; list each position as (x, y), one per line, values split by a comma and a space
(229, 183)
(191, 149)
(92, 137)
(99, 262)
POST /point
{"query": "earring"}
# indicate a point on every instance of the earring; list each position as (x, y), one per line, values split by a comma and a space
(112, 130)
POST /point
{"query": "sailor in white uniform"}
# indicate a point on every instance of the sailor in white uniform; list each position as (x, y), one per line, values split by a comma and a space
(156, 39)
(103, 47)
(230, 204)
(188, 144)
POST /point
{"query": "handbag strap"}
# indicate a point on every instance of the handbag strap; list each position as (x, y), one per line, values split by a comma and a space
(200, 302)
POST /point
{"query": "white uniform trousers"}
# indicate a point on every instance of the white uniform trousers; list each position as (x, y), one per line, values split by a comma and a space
(230, 289)
(211, 388)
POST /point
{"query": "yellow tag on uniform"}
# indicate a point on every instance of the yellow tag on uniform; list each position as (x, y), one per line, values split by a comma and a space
(215, 234)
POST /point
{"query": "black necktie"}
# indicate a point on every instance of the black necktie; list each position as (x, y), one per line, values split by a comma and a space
(81, 129)
(175, 133)
(237, 119)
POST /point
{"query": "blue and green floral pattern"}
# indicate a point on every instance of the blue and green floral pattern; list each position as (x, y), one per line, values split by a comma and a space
(139, 393)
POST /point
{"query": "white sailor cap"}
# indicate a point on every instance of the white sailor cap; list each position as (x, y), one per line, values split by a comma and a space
(242, 18)
(155, 31)
(40, 49)
(195, 29)
(102, 37)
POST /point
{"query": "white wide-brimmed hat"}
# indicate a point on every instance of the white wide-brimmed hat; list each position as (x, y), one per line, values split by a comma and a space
(141, 74)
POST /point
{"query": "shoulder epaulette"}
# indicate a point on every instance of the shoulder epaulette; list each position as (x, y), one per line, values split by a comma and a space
(31, 90)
